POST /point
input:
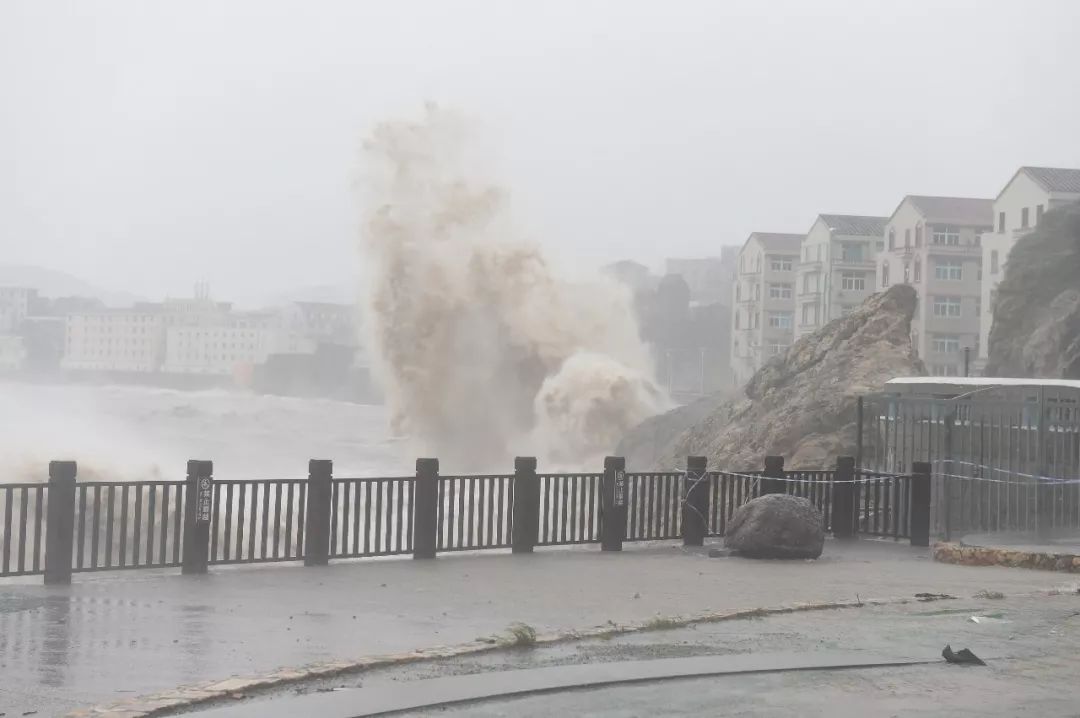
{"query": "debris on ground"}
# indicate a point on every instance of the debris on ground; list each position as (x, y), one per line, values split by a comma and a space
(964, 656)
(934, 597)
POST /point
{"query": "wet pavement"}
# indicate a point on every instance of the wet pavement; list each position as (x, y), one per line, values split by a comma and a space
(1030, 644)
(114, 636)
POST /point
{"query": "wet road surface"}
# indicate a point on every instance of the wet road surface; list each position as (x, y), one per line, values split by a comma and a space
(114, 636)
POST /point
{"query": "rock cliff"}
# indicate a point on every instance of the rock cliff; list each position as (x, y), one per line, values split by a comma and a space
(800, 405)
(1036, 330)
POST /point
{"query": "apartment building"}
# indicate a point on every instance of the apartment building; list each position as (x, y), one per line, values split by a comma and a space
(15, 304)
(230, 346)
(115, 340)
(934, 244)
(1030, 193)
(836, 268)
(763, 308)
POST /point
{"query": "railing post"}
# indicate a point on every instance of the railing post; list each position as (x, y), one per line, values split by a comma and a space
(426, 508)
(526, 514)
(317, 512)
(774, 469)
(695, 508)
(920, 504)
(613, 503)
(198, 512)
(60, 522)
(843, 498)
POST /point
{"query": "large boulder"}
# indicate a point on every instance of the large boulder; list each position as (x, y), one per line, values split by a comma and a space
(800, 405)
(1036, 329)
(776, 526)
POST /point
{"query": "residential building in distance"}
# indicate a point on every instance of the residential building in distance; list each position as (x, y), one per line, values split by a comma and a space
(229, 347)
(15, 304)
(12, 353)
(934, 244)
(763, 310)
(115, 340)
(710, 278)
(1030, 193)
(836, 268)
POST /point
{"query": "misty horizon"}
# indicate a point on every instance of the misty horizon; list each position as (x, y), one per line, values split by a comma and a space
(143, 153)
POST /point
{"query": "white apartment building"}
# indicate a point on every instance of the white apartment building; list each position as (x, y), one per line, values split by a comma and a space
(115, 340)
(934, 244)
(14, 307)
(763, 308)
(230, 346)
(1030, 193)
(836, 268)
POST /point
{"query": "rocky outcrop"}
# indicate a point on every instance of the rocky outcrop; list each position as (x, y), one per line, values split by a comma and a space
(801, 405)
(988, 556)
(776, 526)
(1036, 330)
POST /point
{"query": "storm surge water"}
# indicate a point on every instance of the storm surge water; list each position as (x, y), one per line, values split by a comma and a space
(483, 350)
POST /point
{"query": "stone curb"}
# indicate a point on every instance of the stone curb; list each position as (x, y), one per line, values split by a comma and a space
(169, 701)
(946, 552)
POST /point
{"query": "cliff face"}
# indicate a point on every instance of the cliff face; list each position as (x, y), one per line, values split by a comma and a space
(1036, 330)
(800, 405)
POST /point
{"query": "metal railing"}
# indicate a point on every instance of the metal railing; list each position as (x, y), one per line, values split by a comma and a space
(68, 526)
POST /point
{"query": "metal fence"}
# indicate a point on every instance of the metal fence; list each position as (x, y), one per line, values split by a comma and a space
(998, 465)
(68, 526)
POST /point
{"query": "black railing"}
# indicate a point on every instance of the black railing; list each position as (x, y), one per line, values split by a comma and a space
(654, 506)
(727, 492)
(22, 552)
(69, 526)
(256, 521)
(126, 525)
(569, 509)
(371, 517)
(475, 512)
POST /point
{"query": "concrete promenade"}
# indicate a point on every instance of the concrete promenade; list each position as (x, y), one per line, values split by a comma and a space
(114, 636)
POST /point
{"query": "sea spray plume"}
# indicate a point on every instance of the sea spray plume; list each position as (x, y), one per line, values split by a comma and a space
(469, 324)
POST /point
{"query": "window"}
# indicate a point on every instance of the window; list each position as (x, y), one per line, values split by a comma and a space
(851, 252)
(918, 270)
(757, 291)
(780, 264)
(1024, 218)
(884, 274)
(809, 314)
(737, 315)
(947, 235)
(854, 281)
(907, 238)
(978, 306)
(755, 320)
(918, 235)
(946, 344)
(993, 261)
(1001, 223)
(780, 291)
(880, 245)
(1038, 213)
(944, 370)
(775, 349)
(780, 320)
(947, 307)
(892, 238)
(806, 283)
(949, 269)
(738, 291)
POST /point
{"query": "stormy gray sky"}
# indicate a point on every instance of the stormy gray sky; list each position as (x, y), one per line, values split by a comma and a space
(145, 144)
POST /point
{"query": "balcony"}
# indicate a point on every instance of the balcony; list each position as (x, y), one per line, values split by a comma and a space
(853, 263)
(955, 250)
(810, 294)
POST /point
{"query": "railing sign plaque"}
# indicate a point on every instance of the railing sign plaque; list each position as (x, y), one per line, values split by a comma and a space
(205, 500)
(620, 488)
